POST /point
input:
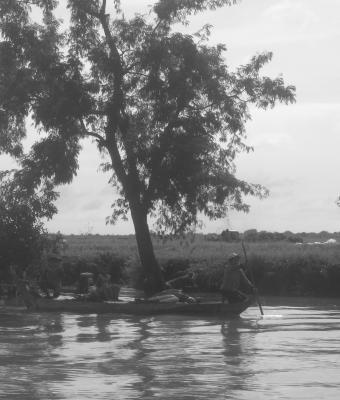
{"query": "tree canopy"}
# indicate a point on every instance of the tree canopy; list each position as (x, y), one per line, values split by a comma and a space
(162, 105)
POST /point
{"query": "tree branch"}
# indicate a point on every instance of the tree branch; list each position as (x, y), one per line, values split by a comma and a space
(98, 112)
(99, 138)
(103, 8)
(117, 120)
(112, 45)
(156, 26)
(116, 159)
(197, 108)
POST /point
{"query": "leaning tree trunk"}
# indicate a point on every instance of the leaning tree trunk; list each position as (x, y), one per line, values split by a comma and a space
(153, 275)
(154, 281)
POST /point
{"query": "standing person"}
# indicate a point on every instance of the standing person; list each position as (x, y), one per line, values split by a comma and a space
(232, 277)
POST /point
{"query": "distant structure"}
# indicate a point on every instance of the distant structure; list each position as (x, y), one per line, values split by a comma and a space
(230, 236)
(329, 242)
(250, 235)
(253, 235)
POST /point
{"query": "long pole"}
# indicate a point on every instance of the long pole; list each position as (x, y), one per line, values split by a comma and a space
(252, 278)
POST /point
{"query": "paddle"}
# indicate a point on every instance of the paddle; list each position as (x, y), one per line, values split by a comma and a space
(252, 277)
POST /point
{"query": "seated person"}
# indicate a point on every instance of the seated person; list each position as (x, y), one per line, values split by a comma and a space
(232, 276)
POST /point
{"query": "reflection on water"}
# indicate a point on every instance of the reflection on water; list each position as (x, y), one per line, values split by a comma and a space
(291, 353)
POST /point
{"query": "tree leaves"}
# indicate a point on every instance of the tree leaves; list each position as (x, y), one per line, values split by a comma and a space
(21, 212)
(177, 10)
(55, 158)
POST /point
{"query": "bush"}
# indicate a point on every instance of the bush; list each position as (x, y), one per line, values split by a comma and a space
(22, 235)
(108, 263)
(112, 264)
(298, 276)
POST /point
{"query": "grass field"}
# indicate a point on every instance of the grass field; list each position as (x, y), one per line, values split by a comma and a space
(280, 267)
(197, 248)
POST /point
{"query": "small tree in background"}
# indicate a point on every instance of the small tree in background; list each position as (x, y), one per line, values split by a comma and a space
(22, 235)
(161, 105)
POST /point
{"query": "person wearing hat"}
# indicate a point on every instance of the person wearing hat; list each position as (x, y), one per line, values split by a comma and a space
(233, 275)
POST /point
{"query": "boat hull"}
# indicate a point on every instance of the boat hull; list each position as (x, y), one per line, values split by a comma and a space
(212, 308)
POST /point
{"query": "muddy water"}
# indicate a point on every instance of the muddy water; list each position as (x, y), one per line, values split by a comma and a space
(291, 353)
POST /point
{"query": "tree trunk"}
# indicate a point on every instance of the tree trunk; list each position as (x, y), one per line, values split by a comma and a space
(153, 275)
(154, 281)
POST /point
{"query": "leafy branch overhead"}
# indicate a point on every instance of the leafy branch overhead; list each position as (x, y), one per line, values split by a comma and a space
(162, 105)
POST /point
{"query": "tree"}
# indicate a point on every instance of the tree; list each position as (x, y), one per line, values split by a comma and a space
(160, 104)
(22, 234)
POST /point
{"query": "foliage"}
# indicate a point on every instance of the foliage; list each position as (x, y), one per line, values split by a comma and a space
(22, 236)
(112, 264)
(107, 262)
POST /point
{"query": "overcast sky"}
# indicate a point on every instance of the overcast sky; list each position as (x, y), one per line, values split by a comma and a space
(297, 147)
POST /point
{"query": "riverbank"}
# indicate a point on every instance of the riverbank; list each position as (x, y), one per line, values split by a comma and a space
(280, 267)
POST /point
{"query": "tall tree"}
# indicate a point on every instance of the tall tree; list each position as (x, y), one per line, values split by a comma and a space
(162, 105)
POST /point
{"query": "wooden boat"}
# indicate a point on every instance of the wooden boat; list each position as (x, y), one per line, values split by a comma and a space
(204, 308)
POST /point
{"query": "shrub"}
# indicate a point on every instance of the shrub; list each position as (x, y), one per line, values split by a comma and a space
(112, 264)
(108, 263)
(22, 235)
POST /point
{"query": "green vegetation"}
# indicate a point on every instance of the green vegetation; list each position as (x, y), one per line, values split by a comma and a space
(23, 238)
(280, 267)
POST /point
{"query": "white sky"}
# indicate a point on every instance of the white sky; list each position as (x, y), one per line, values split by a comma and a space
(296, 147)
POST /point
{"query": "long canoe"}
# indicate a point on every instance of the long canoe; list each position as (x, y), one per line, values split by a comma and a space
(211, 308)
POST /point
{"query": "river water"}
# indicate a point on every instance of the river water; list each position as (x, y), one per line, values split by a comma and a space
(293, 352)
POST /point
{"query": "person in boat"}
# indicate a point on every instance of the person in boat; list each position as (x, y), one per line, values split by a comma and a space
(106, 289)
(171, 296)
(51, 276)
(28, 294)
(185, 281)
(233, 276)
(103, 289)
(86, 280)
